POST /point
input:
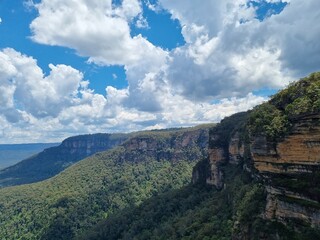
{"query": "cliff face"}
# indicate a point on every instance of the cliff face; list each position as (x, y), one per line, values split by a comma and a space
(279, 145)
(236, 149)
(299, 152)
(291, 170)
(53, 160)
(191, 145)
(225, 146)
(79, 147)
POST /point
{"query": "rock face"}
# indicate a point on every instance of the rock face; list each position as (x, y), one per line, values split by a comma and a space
(291, 170)
(191, 145)
(236, 149)
(299, 152)
(217, 157)
(79, 147)
(283, 205)
(278, 144)
(53, 160)
(225, 146)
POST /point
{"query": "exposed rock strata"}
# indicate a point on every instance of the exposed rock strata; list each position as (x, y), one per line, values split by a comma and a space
(295, 154)
(191, 145)
(236, 149)
(287, 168)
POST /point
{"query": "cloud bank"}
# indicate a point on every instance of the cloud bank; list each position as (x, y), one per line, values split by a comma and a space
(228, 54)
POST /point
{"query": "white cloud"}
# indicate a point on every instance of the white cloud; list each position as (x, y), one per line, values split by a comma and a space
(128, 9)
(228, 54)
(153, 7)
(142, 22)
(0, 20)
(24, 86)
(97, 30)
(101, 31)
(37, 108)
(299, 38)
(277, 1)
(29, 5)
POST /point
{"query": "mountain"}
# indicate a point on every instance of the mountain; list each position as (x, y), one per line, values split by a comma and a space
(62, 207)
(279, 145)
(260, 180)
(11, 154)
(53, 160)
(255, 175)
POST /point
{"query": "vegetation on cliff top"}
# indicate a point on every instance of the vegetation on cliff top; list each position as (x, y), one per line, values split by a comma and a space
(275, 117)
(301, 97)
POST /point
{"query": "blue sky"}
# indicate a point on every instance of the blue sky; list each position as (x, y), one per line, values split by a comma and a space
(69, 68)
(16, 16)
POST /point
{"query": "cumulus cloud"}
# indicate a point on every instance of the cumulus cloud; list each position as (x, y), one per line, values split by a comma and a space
(142, 22)
(298, 41)
(230, 53)
(24, 86)
(35, 107)
(95, 29)
(227, 52)
(100, 31)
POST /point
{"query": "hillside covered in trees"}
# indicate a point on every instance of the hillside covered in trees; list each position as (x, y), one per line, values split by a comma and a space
(255, 175)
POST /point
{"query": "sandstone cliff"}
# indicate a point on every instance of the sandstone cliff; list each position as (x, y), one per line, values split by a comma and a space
(291, 170)
(189, 144)
(225, 146)
(278, 143)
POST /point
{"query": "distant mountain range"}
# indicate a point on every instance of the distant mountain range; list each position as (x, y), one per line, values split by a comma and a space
(53, 160)
(11, 154)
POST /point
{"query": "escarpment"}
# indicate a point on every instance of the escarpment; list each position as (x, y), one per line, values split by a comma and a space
(145, 165)
(291, 171)
(278, 143)
(190, 145)
(225, 146)
(53, 160)
(299, 152)
(286, 151)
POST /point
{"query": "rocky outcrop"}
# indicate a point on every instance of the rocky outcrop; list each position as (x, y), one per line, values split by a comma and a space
(191, 145)
(297, 153)
(232, 153)
(290, 168)
(79, 147)
(284, 208)
(236, 149)
(225, 146)
(278, 144)
(217, 157)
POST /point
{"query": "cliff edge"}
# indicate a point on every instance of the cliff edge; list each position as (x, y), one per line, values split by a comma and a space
(278, 143)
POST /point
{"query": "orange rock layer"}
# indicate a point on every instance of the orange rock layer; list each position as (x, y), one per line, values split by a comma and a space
(293, 155)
